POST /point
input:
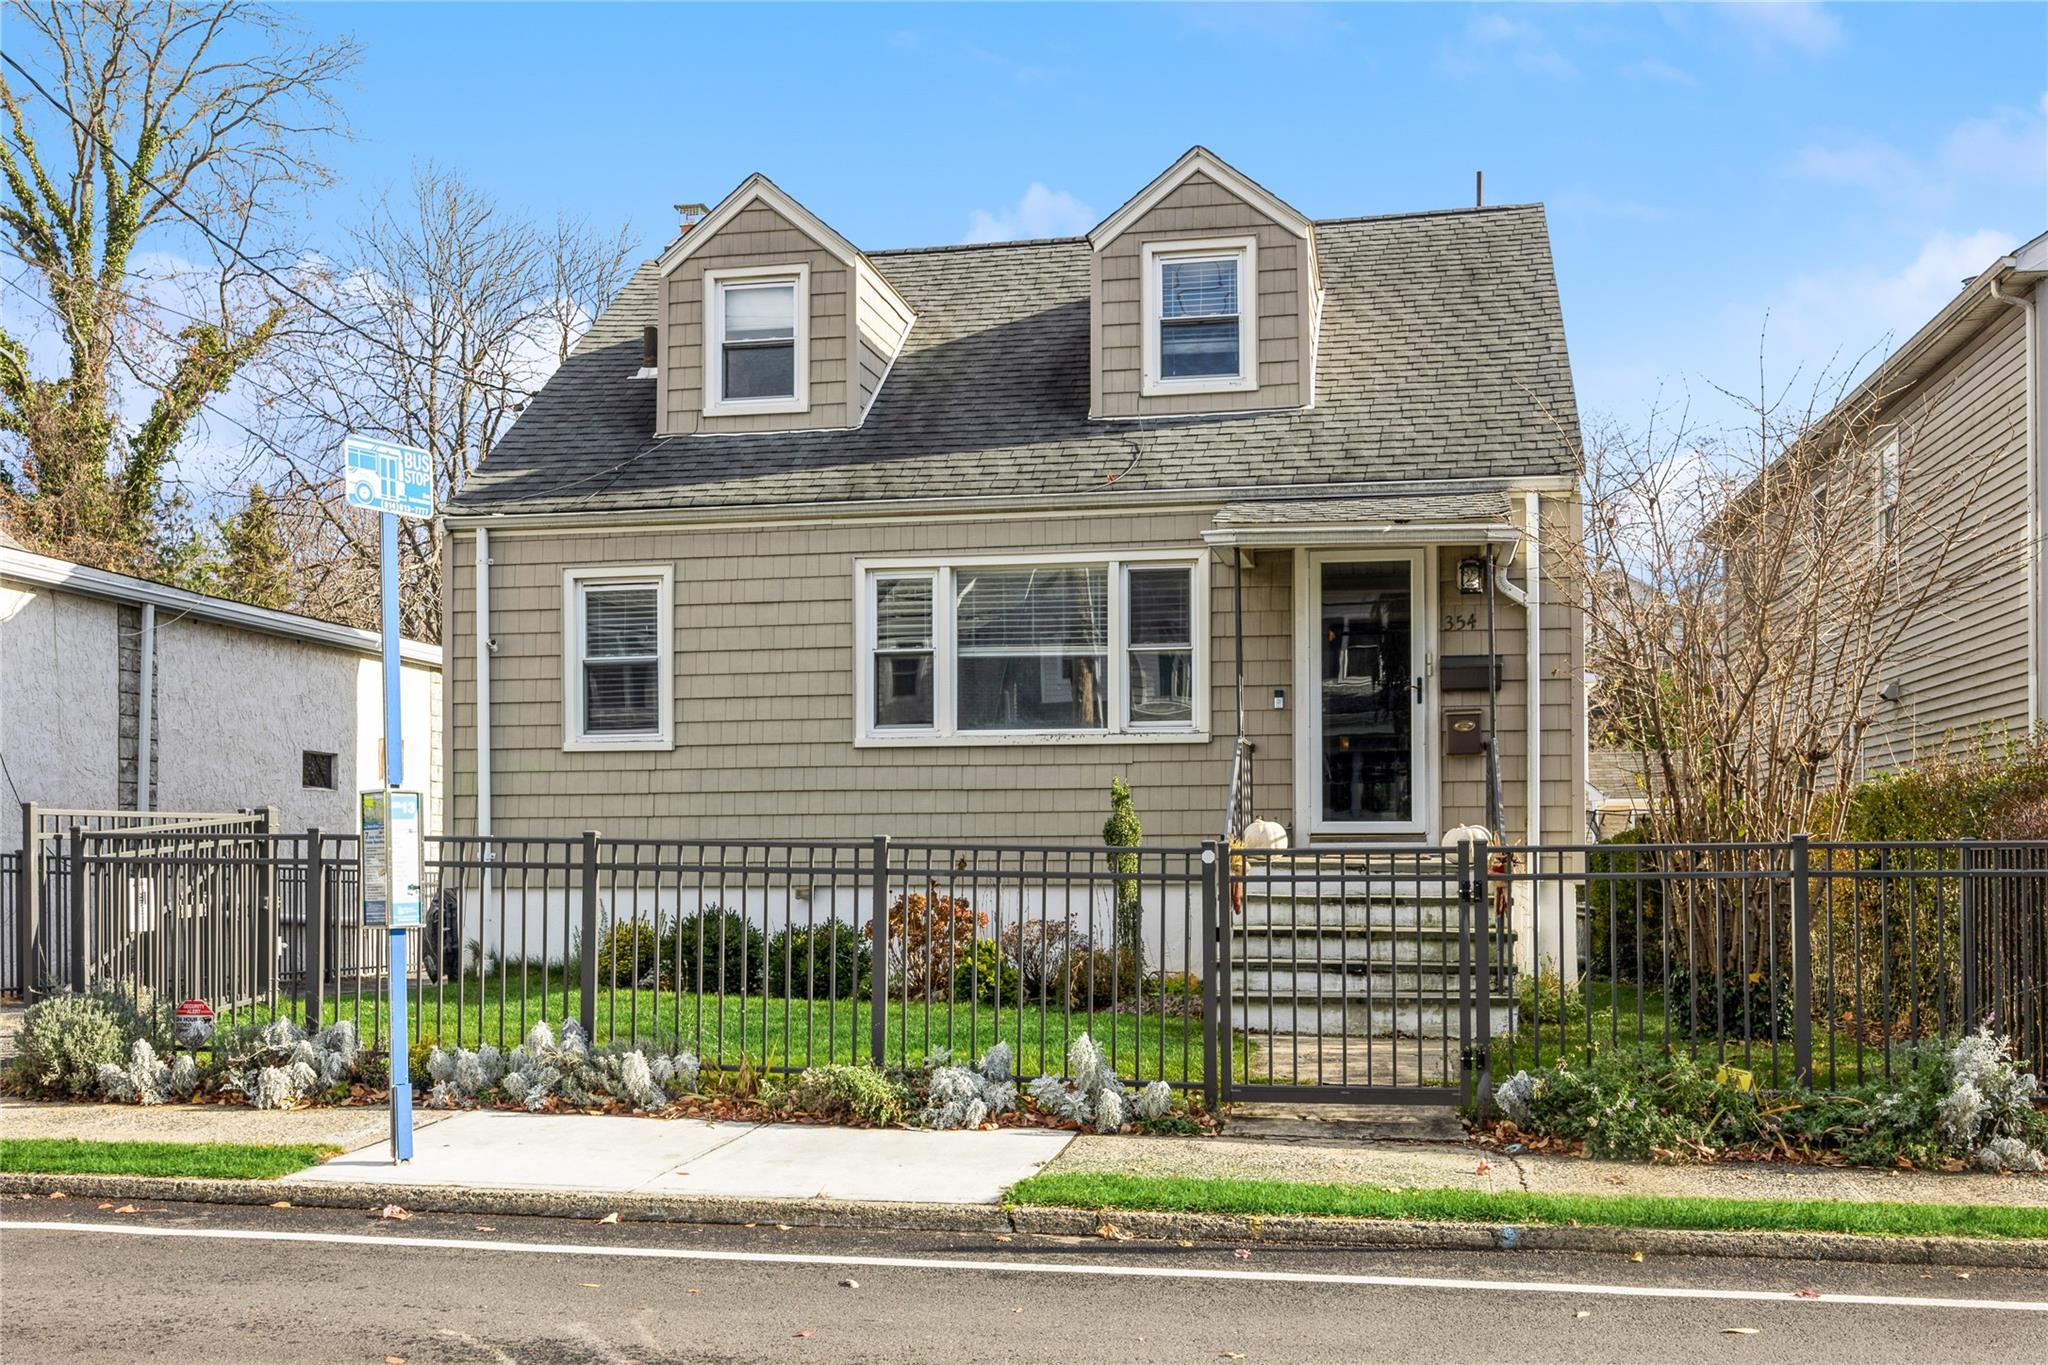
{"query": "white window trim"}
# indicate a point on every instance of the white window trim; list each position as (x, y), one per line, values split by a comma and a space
(1154, 255)
(1889, 451)
(715, 402)
(574, 739)
(944, 732)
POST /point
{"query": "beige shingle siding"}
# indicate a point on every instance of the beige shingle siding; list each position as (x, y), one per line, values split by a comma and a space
(764, 674)
(1963, 667)
(880, 322)
(757, 236)
(1201, 208)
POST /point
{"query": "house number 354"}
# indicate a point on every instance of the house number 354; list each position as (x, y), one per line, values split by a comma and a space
(1461, 620)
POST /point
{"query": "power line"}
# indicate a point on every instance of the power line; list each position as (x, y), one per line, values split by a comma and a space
(235, 251)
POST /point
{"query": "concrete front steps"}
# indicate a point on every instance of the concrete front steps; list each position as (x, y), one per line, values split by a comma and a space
(1352, 956)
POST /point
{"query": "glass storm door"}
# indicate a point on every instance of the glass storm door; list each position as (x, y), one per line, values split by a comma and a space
(1367, 710)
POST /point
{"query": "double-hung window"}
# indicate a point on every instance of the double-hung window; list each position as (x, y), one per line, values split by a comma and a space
(1200, 316)
(619, 674)
(756, 340)
(995, 651)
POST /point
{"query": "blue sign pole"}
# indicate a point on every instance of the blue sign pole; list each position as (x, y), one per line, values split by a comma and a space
(394, 776)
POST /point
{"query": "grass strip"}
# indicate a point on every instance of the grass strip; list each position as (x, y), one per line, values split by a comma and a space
(204, 1160)
(1277, 1197)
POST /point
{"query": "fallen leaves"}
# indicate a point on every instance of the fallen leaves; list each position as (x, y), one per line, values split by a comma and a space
(1242, 1253)
(1481, 1169)
(849, 1284)
(1231, 1355)
(611, 1217)
(1738, 1331)
(1582, 1313)
(1807, 1294)
(806, 1332)
(393, 1213)
(125, 1208)
(1636, 1256)
(1110, 1232)
(281, 1203)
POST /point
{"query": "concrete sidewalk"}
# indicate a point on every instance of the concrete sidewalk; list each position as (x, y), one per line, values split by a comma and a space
(1444, 1166)
(492, 1149)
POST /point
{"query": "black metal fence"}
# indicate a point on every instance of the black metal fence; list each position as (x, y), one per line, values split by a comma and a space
(1324, 973)
(764, 955)
(1794, 960)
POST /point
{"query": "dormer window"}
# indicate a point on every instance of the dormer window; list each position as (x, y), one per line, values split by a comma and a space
(1200, 327)
(756, 354)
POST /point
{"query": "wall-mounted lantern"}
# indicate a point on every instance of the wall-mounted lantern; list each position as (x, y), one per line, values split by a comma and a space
(1472, 576)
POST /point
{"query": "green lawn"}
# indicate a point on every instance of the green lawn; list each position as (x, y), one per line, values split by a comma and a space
(207, 1160)
(1273, 1197)
(1620, 1013)
(775, 1032)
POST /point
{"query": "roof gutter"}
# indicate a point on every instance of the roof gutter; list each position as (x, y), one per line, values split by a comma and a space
(1034, 504)
(61, 574)
(2036, 595)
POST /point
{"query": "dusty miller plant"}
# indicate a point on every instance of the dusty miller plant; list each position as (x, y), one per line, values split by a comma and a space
(287, 1066)
(550, 1066)
(1985, 1113)
(968, 1096)
(1094, 1094)
(147, 1079)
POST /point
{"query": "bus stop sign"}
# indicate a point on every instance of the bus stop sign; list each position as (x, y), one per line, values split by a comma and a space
(385, 477)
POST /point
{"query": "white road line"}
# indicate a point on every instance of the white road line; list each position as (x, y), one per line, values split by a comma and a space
(1144, 1272)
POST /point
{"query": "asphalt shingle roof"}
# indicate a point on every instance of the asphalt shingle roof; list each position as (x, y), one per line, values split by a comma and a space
(1442, 355)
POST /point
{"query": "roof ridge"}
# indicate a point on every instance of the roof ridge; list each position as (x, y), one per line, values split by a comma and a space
(973, 246)
(1427, 213)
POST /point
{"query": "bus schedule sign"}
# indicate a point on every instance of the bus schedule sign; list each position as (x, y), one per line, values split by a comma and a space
(391, 852)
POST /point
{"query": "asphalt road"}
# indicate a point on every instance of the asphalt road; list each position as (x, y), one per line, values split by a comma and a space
(210, 1283)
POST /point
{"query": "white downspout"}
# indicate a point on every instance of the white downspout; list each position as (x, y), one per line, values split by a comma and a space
(1534, 670)
(2036, 595)
(143, 717)
(483, 688)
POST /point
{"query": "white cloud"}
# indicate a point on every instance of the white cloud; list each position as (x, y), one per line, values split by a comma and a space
(1657, 69)
(1041, 212)
(1489, 39)
(1776, 25)
(2006, 146)
(1851, 317)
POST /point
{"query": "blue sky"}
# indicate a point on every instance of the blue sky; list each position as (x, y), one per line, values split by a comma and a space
(1835, 169)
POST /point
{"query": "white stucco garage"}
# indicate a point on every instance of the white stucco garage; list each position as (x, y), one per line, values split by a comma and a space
(118, 693)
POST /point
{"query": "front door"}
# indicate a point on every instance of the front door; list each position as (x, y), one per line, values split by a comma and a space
(1361, 656)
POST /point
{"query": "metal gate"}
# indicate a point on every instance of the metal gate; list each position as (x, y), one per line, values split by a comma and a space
(1362, 974)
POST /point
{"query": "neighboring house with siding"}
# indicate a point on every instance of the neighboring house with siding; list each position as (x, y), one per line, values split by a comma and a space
(1959, 428)
(121, 694)
(810, 541)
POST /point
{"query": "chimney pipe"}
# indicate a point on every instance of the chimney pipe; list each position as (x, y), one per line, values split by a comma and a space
(691, 214)
(1479, 189)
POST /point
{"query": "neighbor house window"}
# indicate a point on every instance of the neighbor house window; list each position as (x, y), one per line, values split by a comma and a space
(1200, 304)
(756, 343)
(1888, 492)
(618, 677)
(316, 770)
(969, 651)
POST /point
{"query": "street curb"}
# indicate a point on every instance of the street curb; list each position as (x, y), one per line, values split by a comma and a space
(1046, 1220)
(578, 1204)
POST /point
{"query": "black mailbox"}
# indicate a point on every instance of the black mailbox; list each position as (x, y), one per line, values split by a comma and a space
(1467, 672)
(1465, 732)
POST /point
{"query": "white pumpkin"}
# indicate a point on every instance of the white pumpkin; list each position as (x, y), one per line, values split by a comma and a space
(1265, 834)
